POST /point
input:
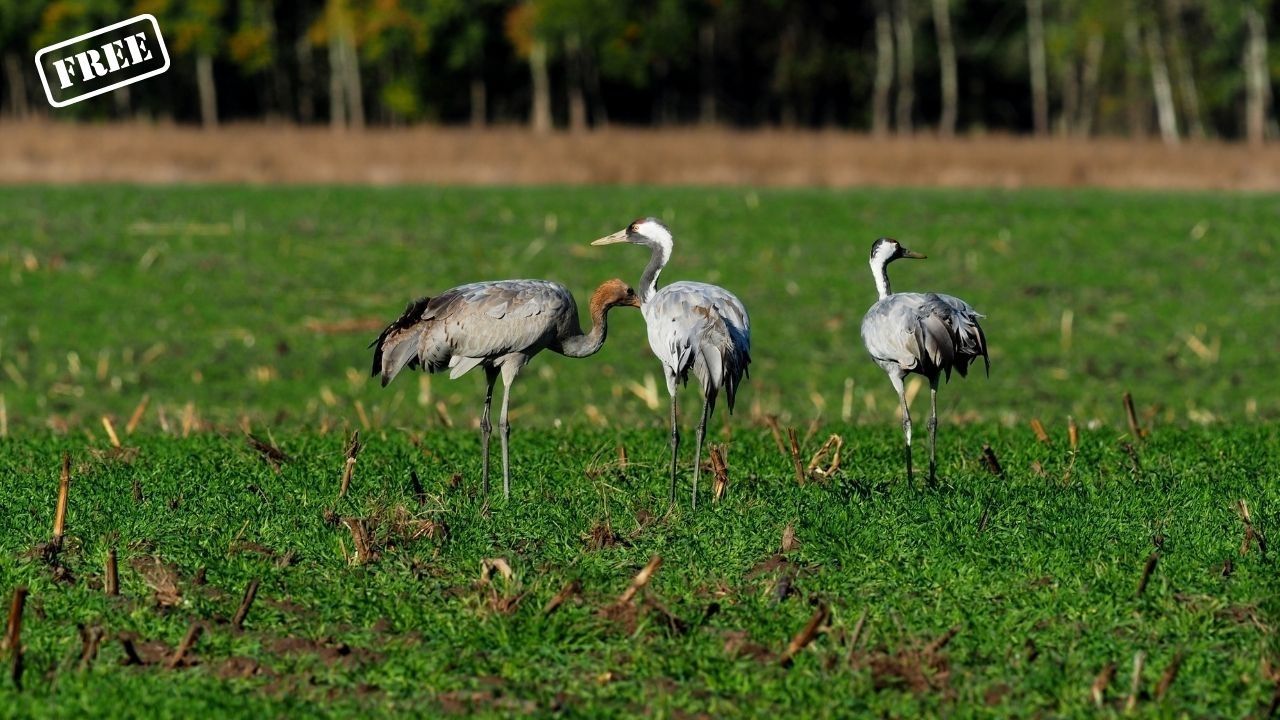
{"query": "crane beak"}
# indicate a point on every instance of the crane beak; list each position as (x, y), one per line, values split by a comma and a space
(620, 236)
(913, 254)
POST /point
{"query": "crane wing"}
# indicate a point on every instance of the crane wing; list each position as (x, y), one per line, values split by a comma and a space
(464, 326)
(700, 328)
(924, 332)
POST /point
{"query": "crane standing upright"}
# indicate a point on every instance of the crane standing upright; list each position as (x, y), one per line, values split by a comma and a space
(924, 333)
(693, 327)
(498, 325)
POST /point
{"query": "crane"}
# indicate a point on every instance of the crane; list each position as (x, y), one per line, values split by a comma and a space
(498, 325)
(693, 327)
(925, 333)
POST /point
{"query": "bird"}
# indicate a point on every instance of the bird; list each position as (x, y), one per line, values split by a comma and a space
(499, 326)
(925, 333)
(692, 327)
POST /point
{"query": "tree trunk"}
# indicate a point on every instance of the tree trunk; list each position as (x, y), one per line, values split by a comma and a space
(1257, 87)
(1166, 113)
(121, 99)
(1070, 99)
(1134, 99)
(540, 116)
(1036, 61)
(306, 81)
(17, 85)
(337, 89)
(1182, 70)
(947, 65)
(351, 77)
(479, 99)
(573, 72)
(906, 67)
(1089, 84)
(707, 72)
(208, 92)
(884, 70)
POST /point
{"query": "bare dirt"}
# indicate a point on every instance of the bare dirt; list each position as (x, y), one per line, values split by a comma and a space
(59, 152)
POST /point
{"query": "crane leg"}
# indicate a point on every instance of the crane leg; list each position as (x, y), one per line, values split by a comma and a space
(490, 376)
(697, 457)
(906, 422)
(933, 430)
(675, 448)
(505, 428)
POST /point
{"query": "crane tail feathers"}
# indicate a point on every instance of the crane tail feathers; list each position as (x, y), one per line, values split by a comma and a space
(397, 345)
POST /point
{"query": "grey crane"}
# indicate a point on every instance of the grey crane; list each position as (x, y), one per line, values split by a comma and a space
(925, 333)
(693, 327)
(498, 325)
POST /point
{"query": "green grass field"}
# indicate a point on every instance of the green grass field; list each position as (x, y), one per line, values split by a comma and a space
(229, 308)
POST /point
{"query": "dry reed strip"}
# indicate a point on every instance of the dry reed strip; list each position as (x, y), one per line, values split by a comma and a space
(246, 602)
(111, 431)
(1135, 682)
(806, 635)
(136, 418)
(1073, 434)
(640, 580)
(856, 636)
(111, 575)
(830, 449)
(60, 512)
(365, 553)
(90, 641)
(1131, 415)
(991, 462)
(795, 456)
(721, 470)
(571, 588)
(13, 634)
(1147, 570)
(1037, 427)
(353, 449)
(1098, 691)
(188, 641)
(164, 153)
(1170, 674)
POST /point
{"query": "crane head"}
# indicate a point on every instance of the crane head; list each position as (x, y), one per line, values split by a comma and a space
(643, 231)
(614, 293)
(886, 250)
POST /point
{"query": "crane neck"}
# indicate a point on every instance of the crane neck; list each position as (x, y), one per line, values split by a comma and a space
(880, 271)
(579, 345)
(649, 280)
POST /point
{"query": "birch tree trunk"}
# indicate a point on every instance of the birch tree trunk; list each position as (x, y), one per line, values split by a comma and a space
(1166, 113)
(906, 67)
(1136, 103)
(208, 92)
(351, 77)
(540, 116)
(337, 88)
(884, 70)
(947, 65)
(573, 72)
(1089, 78)
(17, 85)
(1036, 61)
(1257, 87)
(707, 73)
(479, 98)
(306, 81)
(1182, 73)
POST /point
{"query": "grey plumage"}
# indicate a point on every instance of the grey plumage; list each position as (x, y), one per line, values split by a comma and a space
(925, 333)
(500, 326)
(694, 328)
